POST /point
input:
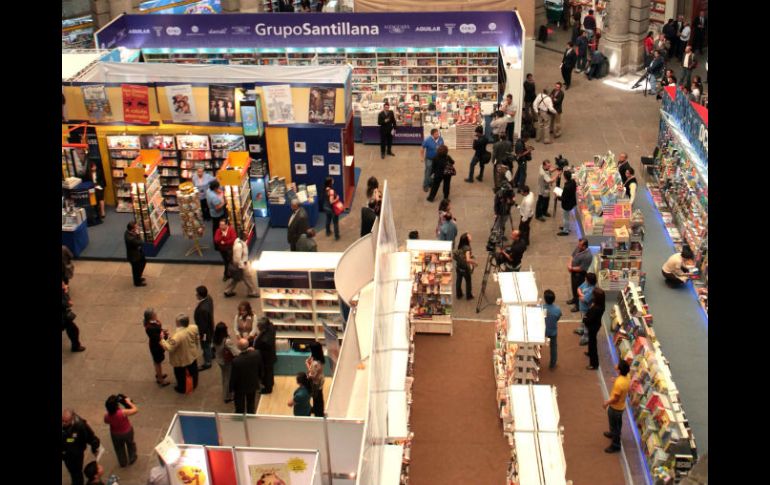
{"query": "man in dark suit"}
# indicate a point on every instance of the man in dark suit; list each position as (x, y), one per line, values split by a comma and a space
(368, 217)
(246, 378)
(204, 319)
(623, 165)
(285, 6)
(669, 31)
(135, 252)
(568, 64)
(387, 122)
(557, 95)
(298, 224)
(700, 27)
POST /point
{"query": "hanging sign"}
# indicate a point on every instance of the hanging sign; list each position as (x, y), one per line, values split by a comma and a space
(136, 104)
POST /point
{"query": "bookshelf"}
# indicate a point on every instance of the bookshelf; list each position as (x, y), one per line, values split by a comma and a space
(619, 259)
(147, 201)
(123, 150)
(298, 293)
(519, 335)
(195, 152)
(234, 177)
(666, 438)
(432, 280)
(222, 145)
(169, 167)
(602, 203)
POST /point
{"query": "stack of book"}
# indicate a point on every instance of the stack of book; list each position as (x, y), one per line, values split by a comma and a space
(602, 203)
(432, 278)
(620, 258)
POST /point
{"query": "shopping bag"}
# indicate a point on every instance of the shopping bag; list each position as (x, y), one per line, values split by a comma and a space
(188, 382)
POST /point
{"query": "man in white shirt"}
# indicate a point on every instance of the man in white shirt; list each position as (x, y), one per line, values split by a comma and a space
(509, 109)
(241, 262)
(688, 64)
(543, 105)
(527, 211)
(684, 38)
(675, 269)
(499, 125)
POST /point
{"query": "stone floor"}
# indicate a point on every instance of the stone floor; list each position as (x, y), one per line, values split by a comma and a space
(597, 117)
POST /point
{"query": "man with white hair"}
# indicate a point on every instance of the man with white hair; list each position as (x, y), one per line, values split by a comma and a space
(298, 224)
(183, 351)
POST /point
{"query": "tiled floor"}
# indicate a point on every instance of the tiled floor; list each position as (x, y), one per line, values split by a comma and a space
(597, 117)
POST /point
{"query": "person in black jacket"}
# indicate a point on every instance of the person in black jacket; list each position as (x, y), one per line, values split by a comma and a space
(368, 216)
(204, 319)
(387, 122)
(568, 202)
(530, 93)
(135, 253)
(480, 155)
(623, 165)
(581, 46)
(441, 163)
(568, 62)
(654, 71)
(75, 436)
(246, 378)
(669, 31)
(593, 322)
(285, 6)
(265, 343)
(68, 320)
(557, 95)
(298, 224)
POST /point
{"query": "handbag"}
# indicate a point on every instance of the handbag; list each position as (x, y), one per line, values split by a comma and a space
(227, 355)
(450, 170)
(337, 208)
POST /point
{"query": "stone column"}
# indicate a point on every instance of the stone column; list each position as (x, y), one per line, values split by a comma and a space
(100, 9)
(626, 26)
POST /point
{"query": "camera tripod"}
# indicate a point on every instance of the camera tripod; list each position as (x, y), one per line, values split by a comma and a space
(496, 238)
(646, 79)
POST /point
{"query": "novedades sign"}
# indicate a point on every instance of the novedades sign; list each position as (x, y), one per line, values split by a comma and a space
(308, 29)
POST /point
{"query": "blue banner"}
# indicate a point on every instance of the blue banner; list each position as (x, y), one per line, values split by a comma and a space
(689, 122)
(303, 30)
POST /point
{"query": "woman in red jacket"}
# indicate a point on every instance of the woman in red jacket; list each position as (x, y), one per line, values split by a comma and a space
(224, 238)
(648, 45)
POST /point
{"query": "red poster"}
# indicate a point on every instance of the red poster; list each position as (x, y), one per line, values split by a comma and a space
(136, 104)
(221, 467)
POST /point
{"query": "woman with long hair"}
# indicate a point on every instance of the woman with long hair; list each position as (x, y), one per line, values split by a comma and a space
(121, 431)
(443, 169)
(301, 399)
(225, 351)
(331, 199)
(593, 322)
(265, 343)
(373, 193)
(245, 323)
(315, 372)
(465, 263)
(155, 333)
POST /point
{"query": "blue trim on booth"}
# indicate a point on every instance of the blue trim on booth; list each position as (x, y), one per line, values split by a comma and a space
(199, 430)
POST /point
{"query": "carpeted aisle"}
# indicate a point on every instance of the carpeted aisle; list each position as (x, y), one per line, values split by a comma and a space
(458, 437)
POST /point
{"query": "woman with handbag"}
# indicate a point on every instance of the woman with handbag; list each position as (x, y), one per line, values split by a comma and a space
(333, 209)
(464, 262)
(225, 351)
(155, 333)
(443, 169)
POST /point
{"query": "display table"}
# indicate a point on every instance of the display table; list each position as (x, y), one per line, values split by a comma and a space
(76, 240)
(280, 214)
(405, 135)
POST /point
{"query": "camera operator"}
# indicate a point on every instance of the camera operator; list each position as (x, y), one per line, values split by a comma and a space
(501, 159)
(504, 200)
(121, 431)
(545, 181)
(523, 153)
(509, 259)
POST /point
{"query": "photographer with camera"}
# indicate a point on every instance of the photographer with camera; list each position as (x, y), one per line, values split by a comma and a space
(504, 200)
(509, 259)
(121, 431)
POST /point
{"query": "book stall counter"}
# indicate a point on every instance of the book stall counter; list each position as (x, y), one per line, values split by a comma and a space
(432, 292)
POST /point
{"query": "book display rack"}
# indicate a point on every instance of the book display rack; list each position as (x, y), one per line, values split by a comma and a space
(147, 202)
(602, 203)
(530, 416)
(519, 335)
(234, 176)
(298, 293)
(432, 280)
(619, 259)
(666, 438)
(169, 167)
(123, 150)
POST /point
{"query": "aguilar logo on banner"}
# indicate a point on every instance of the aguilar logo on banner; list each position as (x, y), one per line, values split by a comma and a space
(136, 104)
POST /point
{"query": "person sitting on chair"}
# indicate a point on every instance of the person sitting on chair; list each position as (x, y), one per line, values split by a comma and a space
(675, 269)
(509, 259)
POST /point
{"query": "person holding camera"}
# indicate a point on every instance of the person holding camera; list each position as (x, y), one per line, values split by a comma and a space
(76, 434)
(509, 259)
(121, 431)
(523, 154)
(545, 181)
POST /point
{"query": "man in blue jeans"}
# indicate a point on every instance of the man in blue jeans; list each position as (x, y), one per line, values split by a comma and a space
(552, 316)
(427, 153)
(615, 406)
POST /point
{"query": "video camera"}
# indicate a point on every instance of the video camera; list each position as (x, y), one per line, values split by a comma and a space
(122, 400)
(561, 162)
(504, 199)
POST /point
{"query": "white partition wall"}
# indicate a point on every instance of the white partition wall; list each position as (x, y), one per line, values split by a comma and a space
(341, 391)
(357, 266)
(232, 429)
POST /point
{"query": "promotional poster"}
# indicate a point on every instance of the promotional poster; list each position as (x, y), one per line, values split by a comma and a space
(273, 474)
(97, 104)
(280, 106)
(322, 103)
(222, 103)
(181, 103)
(136, 104)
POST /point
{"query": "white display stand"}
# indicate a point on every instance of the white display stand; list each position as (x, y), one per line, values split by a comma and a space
(436, 323)
(518, 288)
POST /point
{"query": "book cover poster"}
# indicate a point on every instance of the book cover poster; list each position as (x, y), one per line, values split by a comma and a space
(300, 147)
(221, 103)
(190, 469)
(300, 168)
(335, 169)
(136, 104)
(280, 106)
(181, 103)
(97, 104)
(322, 103)
(273, 474)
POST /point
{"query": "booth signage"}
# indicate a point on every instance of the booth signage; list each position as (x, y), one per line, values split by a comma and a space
(402, 29)
(690, 122)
